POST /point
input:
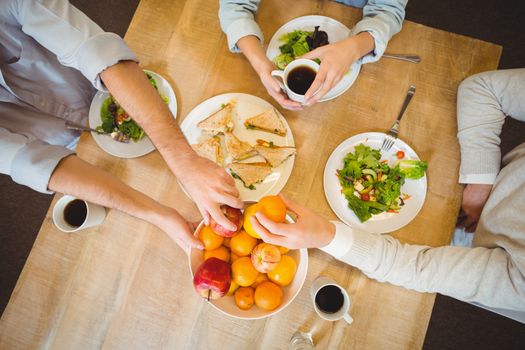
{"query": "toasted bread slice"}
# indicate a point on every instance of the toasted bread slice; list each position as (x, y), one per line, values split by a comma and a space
(250, 173)
(238, 149)
(211, 149)
(275, 155)
(219, 122)
(269, 121)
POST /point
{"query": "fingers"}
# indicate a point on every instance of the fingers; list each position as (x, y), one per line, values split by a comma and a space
(232, 201)
(319, 80)
(327, 86)
(292, 206)
(279, 96)
(316, 53)
(266, 236)
(274, 227)
(219, 217)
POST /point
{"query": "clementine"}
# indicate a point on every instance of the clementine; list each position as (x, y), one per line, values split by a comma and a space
(284, 272)
(260, 279)
(268, 296)
(243, 271)
(247, 224)
(242, 243)
(273, 207)
(210, 239)
(244, 298)
(221, 253)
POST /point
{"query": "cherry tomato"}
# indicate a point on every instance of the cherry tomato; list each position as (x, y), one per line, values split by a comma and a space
(365, 197)
(400, 154)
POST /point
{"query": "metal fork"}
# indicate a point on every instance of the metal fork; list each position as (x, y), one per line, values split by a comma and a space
(391, 136)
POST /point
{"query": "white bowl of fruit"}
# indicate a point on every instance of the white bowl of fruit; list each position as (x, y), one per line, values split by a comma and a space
(238, 273)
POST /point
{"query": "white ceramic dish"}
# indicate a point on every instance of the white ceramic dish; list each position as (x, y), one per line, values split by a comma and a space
(336, 32)
(246, 106)
(130, 149)
(227, 305)
(384, 222)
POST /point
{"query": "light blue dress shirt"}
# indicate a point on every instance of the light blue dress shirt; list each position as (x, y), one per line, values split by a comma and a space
(51, 55)
(381, 18)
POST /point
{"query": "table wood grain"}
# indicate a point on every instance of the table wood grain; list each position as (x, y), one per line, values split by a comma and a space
(125, 285)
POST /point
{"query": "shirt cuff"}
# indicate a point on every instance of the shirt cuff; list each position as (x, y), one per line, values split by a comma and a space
(241, 28)
(34, 164)
(487, 179)
(342, 241)
(367, 25)
(100, 52)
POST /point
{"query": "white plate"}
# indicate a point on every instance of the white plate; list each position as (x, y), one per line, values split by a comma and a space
(384, 222)
(336, 32)
(227, 304)
(131, 149)
(247, 106)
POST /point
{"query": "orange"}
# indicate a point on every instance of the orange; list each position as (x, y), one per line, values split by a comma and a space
(242, 243)
(284, 273)
(233, 287)
(210, 239)
(244, 297)
(221, 253)
(243, 271)
(226, 242)
(248, 213)
(268, 296)
(273, 207)
(260, 279)
(233, 257)
(283, 250)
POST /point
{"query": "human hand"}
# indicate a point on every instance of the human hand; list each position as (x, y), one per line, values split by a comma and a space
(474, 198)
(336, 60)
(274, 89)
(178, 229)
(209, 186)
(309, 231)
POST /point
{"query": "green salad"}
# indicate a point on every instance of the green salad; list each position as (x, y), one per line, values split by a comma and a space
(298, 43)
(372, 186)
(117, 122)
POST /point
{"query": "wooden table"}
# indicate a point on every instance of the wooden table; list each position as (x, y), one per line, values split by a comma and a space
(125, 285)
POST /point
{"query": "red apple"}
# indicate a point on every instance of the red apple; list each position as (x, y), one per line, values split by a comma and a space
(235, 217)
(212, 279)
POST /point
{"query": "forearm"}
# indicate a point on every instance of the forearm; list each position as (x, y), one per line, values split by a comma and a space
(83, 180)
(487, 276)
(129, 85)
(251, 47)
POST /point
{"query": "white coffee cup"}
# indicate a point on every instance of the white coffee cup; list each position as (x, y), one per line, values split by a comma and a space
(94, 216)
(342, 313)
(283, 74)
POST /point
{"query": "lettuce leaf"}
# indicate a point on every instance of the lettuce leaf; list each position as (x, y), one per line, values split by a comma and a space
(412, 169)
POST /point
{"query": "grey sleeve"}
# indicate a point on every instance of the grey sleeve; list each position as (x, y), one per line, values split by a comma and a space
(237, 20)
(484, 101)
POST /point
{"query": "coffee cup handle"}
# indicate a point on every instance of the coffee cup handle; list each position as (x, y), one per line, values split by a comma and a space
(279, 74)
(348, 318)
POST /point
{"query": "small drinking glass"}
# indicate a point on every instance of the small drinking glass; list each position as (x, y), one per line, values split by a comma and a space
(301, 341)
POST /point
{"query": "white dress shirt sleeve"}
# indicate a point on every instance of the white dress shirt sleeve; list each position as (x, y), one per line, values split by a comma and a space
(77, 41)
(28, 161)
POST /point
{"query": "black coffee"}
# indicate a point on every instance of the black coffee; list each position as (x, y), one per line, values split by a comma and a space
(75, 213)
(329, 299)
(300, 79)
